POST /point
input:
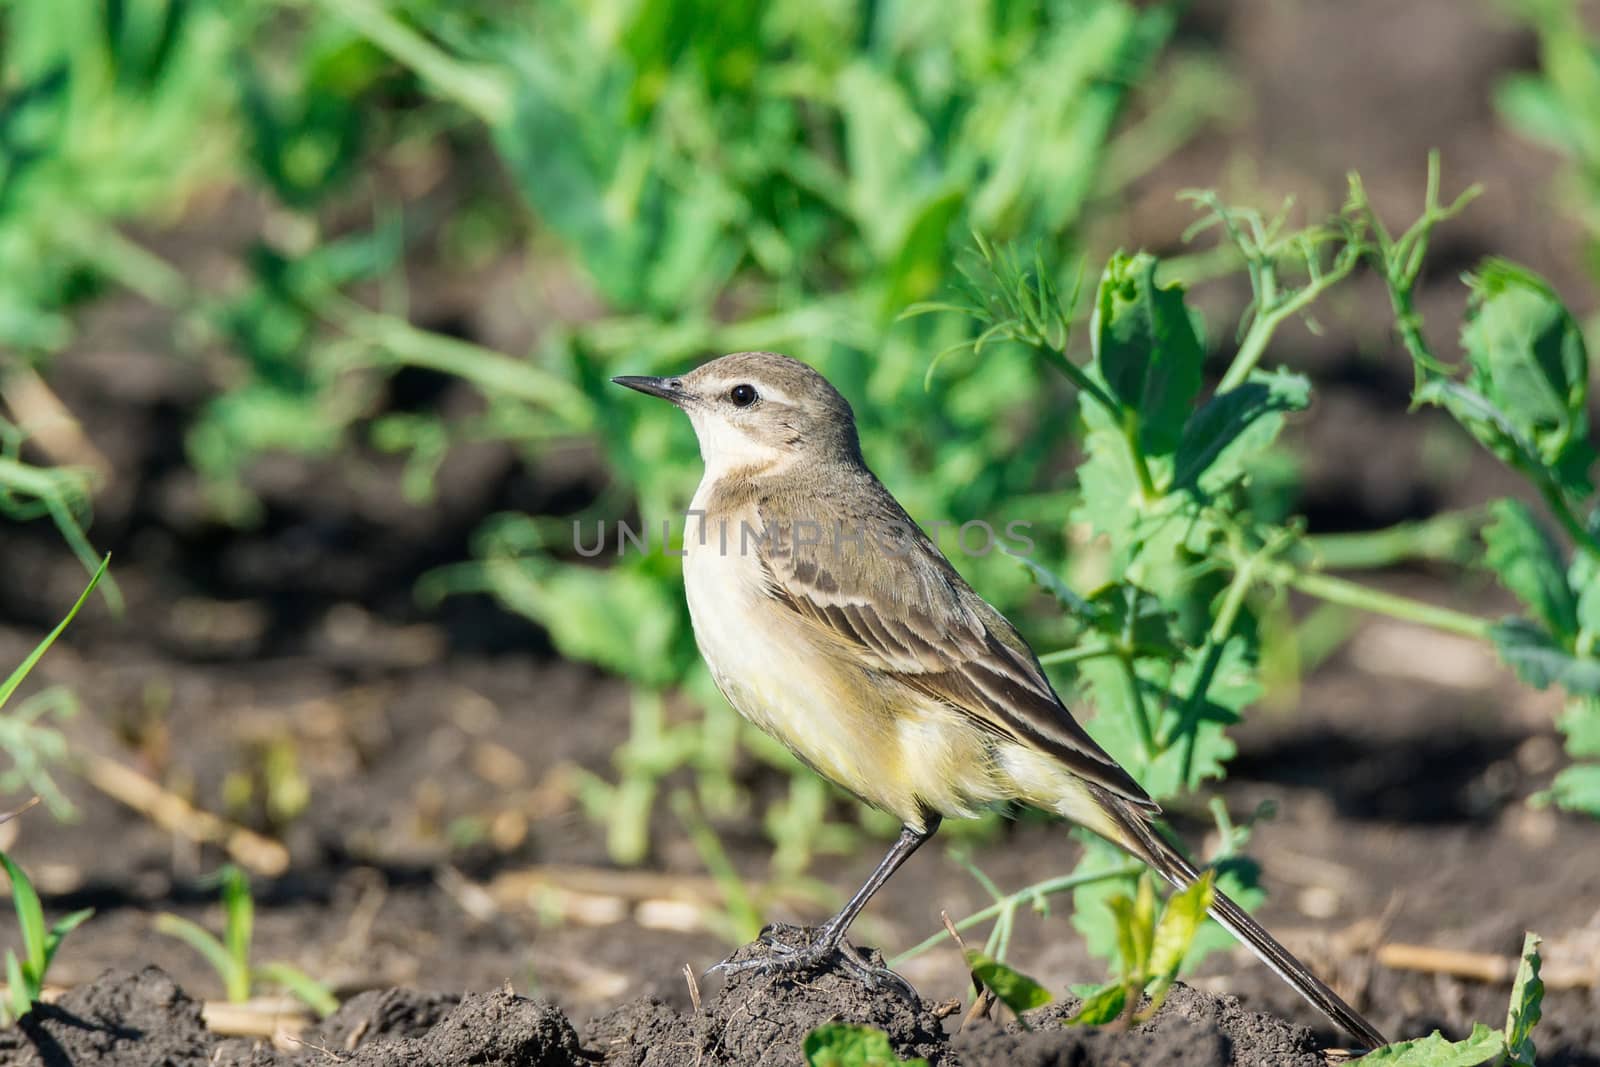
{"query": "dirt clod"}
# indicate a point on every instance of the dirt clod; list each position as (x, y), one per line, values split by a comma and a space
(497, 1029)
(762, 1019)
(119, 1020)
(387, 1013)
(1192, 1029)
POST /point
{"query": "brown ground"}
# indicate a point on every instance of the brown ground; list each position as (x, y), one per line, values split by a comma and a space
(1400, 777)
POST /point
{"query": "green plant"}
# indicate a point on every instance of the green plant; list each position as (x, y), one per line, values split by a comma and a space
(229, 956)
(29, 744)
(1510, 1046)
(1558, 105)
(1194, 557)
(852, 1045)
(857, 174)
(28, 492)
(754, 187)
(1151, 949)
(25, 974)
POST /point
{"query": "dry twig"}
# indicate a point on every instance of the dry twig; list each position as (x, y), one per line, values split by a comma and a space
(258, 854)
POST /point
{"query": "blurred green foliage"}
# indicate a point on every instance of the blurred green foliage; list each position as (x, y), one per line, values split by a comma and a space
(30, 743)
(1170, 647)
(1558, 104)
(791, 176)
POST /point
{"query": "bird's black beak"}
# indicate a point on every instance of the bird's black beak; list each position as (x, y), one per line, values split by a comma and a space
(666, 388)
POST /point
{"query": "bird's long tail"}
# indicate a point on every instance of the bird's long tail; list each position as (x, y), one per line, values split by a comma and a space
(1165, 860)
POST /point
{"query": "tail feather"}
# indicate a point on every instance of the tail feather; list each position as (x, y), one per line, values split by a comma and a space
(1166, 861)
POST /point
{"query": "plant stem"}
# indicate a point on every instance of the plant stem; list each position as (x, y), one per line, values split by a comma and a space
(1216, 641)
(482, 90)
(496, 373)
(1262, 330)
(1141, 469)
(129, 263)
(1141, 717)
(1355, 595)
(1446, 537)
(1048, 887)
(1078, 653)
(1557, 503)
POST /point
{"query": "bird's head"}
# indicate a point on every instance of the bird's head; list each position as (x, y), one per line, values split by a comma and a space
(759, 411)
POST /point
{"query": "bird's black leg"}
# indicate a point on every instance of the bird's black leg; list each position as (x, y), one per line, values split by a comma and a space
(826, 944)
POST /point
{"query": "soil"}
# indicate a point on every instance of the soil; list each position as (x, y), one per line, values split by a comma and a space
(130, 1020)
(440, 746)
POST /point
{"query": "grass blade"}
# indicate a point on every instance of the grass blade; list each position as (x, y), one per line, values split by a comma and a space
(235, 980)
(30, 917)
(18, 998)
(9, 686)
(302, 985)
(58, 933)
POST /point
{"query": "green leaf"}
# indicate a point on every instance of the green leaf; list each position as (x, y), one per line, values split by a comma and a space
(1133, 619)
(852, 1045)
(239, 912)
(1434, 1051)
(1048, 580)
(1136, 928)
(884, 140)
(1527, 994)
(1185, 914)
(1102, 1007)
(1016, 990)
(1481, 417)
(1180, 921)
(1531, 104)
(15, 678)
(1540, 661)
(1580, 724)
(1194, 746)
(1107, 483)
(235, 979)
(310, 991)
(1146, 350)
(1528, 564)
(30, 918)
(1584, 577)
(1229, 430)
(1528, 358)
(1577, 788)
(19, 996)
(918, 266)
(624, 618)
(63, 926)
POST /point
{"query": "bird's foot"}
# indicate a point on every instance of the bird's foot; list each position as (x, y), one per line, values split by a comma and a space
(786, 949)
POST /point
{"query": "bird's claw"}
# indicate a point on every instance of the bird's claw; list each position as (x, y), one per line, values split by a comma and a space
(818, 949)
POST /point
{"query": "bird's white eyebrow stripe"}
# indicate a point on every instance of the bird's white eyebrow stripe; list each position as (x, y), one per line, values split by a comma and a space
(764, 392)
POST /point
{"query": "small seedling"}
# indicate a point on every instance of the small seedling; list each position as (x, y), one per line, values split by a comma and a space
(1508, 1047)
(28, 743)
(1152, 949)
(1010, 986)
(230, 956)
(852, 1045)
(25, 975)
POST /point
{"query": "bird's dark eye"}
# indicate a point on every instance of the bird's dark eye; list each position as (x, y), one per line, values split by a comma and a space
(742, 395)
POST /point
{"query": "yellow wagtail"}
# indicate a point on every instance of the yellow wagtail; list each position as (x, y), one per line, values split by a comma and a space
(830, 621)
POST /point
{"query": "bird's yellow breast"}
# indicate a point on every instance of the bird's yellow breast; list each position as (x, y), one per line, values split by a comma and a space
(883, 741)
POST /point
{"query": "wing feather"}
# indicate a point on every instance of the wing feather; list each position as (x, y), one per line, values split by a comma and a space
(909, 615)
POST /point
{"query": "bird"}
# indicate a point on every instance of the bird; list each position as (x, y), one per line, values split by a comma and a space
(829, 620)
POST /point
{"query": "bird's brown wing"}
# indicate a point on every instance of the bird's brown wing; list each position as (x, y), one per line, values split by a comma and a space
(900, 606)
